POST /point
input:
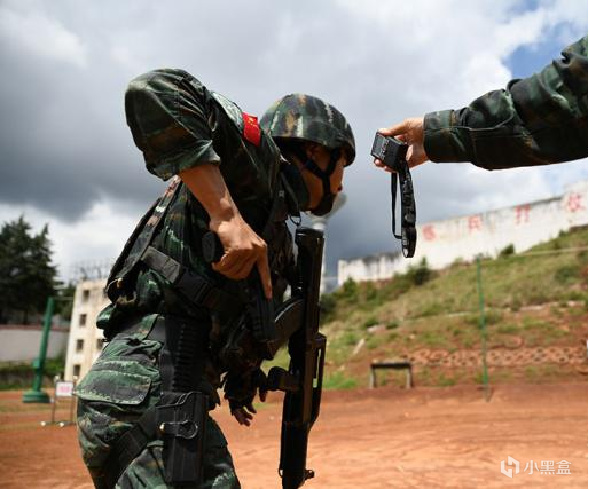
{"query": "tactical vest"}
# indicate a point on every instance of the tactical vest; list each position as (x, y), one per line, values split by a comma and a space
(138, 254)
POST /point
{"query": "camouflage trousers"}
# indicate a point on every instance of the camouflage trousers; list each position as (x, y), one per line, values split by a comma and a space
(123, 383)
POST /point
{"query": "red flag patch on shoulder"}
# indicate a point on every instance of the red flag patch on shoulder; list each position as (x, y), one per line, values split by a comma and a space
(251, 129)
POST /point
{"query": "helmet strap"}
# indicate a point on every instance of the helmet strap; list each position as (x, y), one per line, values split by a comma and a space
(327, 199)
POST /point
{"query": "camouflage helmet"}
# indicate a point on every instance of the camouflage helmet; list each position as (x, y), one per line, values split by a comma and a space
(307, 118)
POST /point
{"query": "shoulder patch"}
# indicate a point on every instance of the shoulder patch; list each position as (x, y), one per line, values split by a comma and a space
(251, 129)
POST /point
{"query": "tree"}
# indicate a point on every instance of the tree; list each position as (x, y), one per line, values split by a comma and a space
(26, 276)
(64, 296)
(421, 273)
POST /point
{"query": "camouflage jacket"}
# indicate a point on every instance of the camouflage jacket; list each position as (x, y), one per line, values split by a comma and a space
(535, 121)
(178, 124)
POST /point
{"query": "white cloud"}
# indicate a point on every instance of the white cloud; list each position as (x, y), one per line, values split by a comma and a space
(98, 236)
(41, 36)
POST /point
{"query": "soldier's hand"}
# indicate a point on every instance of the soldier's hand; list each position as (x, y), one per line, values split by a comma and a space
(240, 390)
(244, 249)
(410, 131)
(244, 415)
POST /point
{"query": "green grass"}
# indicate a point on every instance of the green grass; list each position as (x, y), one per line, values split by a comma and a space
(339, 381)
(540, 373)
(281, 359)
(445, 381)
(374, 342)
(18, 375)
(440, 309)
(516, 280)
(369, 322)
(424, 309)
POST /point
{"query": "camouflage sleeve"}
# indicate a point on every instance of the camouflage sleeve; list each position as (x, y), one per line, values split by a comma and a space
(168, 113)
(535, 121)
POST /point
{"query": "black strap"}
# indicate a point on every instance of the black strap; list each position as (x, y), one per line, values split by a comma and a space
(291, 201)
(276, 202)
(198, 289)
(141, 239)
(175, 351)
(119, 263)
(408, 234)
(394, 179)
(130, 445)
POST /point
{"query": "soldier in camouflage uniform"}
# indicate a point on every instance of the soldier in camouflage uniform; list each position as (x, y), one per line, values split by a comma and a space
(243, 182)
(535, 121)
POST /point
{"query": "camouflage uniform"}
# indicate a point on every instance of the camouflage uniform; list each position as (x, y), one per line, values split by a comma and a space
(124, 382)
(535, 121)
(179, 124)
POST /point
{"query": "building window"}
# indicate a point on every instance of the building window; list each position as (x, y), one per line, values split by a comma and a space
(82, 321)
(86, 295)
(80, 345)
(99, 344)
(76, 371)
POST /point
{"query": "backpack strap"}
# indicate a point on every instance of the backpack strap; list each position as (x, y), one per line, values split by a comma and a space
(139, 241)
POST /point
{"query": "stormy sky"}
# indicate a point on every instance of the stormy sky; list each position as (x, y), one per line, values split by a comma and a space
(67, 157)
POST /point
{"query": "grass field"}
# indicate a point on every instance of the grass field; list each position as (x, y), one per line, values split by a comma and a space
(534, 299)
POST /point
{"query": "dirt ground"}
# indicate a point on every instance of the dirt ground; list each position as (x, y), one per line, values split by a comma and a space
(381, 438)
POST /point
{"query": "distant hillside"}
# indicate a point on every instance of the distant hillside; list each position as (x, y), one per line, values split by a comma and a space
(535, 311)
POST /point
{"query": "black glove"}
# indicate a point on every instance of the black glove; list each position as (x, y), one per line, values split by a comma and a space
(240, 390)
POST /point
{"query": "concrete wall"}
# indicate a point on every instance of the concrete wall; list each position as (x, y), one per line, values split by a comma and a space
(442, 242)
(85, 342)
(20, 343)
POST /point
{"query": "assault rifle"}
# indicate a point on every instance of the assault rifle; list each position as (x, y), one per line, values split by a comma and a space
(298, 319)
(295, 322)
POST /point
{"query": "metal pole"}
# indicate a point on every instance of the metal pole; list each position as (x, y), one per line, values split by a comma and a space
(483, 329)
(36, 395)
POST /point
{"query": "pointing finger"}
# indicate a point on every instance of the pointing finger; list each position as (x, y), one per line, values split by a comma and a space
(265, 277)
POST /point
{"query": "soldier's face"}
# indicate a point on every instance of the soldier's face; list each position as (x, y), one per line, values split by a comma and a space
(321, 156)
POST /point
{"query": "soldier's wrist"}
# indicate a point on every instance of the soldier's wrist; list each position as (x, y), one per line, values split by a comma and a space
(223, 211)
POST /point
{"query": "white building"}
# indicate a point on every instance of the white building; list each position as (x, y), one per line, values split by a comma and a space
(85, 342)
(443, 242)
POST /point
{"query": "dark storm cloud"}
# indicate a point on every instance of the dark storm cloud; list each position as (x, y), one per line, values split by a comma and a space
(64, 144)
(64, 140)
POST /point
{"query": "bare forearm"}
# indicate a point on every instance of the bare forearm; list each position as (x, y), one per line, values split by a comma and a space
(243, 247)
(208, 186)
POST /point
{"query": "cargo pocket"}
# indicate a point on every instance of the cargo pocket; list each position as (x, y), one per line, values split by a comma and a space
(109, 401)
(123, 383)
(117, 382)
